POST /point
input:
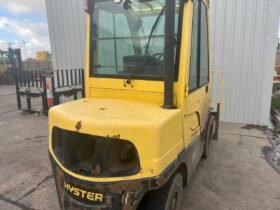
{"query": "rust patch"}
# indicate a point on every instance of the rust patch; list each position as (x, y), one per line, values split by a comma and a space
(126, 191)
(126, 201)
(96, 171)
(109, 202)
(78, 126)
(135, 186)
(160, 181)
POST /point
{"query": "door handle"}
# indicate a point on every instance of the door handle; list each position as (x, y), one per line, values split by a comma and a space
(206, 89)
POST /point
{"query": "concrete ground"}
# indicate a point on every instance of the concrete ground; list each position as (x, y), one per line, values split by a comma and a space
(238, 174)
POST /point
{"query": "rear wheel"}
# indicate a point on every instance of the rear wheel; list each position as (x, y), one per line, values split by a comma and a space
(169, 197)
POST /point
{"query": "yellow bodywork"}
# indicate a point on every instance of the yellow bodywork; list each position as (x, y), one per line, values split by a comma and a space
(146, 125)
(134, 113)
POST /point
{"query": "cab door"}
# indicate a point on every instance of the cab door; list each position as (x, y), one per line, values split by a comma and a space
(197, 95)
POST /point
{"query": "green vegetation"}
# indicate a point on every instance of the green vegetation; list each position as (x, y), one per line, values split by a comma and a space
(275, 103)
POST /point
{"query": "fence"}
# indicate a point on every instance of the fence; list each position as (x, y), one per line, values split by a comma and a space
(41, 92)
(31, 84)
(67, 85)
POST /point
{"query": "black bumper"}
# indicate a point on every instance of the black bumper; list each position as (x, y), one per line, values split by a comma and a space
(74, 193)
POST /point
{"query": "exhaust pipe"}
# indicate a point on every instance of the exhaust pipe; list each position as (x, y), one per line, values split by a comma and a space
(169, 54)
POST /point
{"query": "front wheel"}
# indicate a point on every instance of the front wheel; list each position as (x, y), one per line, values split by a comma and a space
(169, 197)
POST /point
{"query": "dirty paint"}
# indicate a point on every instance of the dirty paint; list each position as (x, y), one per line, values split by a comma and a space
(123, 195)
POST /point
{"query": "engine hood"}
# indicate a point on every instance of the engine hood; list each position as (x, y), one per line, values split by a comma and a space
(155, 132)
(86, 115)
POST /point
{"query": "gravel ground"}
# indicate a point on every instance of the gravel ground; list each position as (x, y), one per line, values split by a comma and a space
(241, 173)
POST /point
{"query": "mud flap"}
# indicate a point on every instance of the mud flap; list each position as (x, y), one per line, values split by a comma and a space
(217, 120)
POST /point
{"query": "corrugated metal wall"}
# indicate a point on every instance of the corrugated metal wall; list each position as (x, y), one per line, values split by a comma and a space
(244, 37)
(244, 41)
(67, 29)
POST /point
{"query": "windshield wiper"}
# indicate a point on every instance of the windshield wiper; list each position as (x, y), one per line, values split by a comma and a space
(139, 68)
(153, 29)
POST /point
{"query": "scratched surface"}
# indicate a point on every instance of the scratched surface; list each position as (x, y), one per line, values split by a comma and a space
(236, 176)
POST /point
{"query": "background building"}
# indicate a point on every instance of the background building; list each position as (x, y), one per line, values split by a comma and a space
(244, 41)
(43, 55)
(43, 61)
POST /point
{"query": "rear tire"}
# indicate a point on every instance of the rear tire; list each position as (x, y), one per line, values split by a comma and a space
(169, 197)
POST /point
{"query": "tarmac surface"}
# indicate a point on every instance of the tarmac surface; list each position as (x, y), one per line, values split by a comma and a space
(241, 172)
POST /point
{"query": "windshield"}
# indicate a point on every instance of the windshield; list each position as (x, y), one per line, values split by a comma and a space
(128, 38)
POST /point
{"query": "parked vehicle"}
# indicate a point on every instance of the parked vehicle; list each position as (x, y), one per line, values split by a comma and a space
(135, 140)
(10, 61)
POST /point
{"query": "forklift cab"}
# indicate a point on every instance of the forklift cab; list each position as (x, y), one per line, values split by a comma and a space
(132, 35)
(146, 121)
(4, 61)
(10, 59)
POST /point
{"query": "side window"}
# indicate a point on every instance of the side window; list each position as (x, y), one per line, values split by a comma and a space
(105, 42)
(199, 69)
(124, 43)
(193, 77)
(113, 41)
(204, 57)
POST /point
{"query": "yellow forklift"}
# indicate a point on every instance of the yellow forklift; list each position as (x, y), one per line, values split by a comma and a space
(5, 62)
(10, 61)
(135, 140)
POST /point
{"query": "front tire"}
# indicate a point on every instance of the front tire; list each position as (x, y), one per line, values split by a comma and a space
(169, 197)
